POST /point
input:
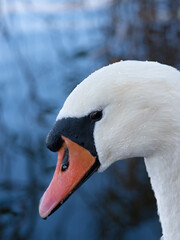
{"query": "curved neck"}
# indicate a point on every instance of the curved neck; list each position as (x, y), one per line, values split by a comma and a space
(164, 172)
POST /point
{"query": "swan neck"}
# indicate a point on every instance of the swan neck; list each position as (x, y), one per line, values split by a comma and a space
(164, 173)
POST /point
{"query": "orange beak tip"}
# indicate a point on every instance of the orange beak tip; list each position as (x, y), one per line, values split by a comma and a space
(42, 212)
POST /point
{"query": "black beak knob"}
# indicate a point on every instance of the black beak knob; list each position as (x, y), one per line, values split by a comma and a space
(54, 140)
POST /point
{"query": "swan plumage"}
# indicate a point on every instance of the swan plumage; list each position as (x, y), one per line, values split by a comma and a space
(140, 103)
(139, 99)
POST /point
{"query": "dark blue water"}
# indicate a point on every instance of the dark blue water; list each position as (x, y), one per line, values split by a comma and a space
(46, 49)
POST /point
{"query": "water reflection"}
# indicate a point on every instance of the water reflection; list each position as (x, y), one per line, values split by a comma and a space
(43, 56)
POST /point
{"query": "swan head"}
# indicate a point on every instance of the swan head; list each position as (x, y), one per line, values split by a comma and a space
(121, 111)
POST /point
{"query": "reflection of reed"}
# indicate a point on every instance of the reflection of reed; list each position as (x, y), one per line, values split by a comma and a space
(146, 30)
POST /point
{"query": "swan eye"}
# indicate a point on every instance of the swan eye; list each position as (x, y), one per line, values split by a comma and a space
(96, 115)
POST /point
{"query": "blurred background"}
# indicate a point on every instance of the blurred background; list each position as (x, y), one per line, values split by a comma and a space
(47, 47)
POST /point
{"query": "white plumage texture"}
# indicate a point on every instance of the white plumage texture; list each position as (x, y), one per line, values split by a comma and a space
(104, 85)
(141, 118)
(137, 99)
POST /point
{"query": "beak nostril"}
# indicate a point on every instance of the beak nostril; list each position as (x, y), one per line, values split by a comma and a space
(65, 162)
(64, 167)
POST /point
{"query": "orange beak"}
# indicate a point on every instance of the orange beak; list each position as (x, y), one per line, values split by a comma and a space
(75, 164)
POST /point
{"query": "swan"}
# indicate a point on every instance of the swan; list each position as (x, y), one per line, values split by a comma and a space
(124, 110)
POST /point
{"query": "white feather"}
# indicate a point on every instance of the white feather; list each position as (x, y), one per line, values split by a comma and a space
(141, 118)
